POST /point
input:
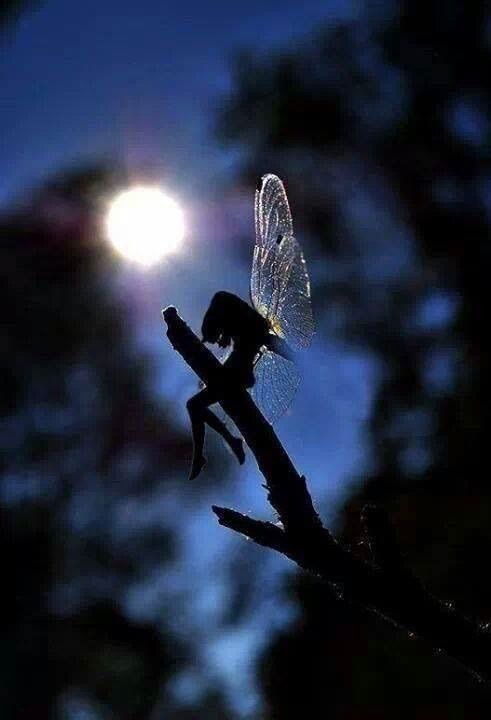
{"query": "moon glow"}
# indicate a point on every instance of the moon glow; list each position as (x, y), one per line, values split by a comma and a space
(144, 224)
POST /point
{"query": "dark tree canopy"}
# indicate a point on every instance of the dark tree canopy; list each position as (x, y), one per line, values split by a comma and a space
(11, 9)
(83, 438)
(382, 127)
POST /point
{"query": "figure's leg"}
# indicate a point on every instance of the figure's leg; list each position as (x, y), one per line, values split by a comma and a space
(199, 413)
(234, 443)
(196, 407)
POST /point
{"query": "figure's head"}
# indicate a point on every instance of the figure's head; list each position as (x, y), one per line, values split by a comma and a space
(213, 321)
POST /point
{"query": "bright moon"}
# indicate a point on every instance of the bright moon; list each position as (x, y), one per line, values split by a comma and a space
(144, 224)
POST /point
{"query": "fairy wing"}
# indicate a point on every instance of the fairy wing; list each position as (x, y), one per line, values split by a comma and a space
(280, 286)
(276, 382)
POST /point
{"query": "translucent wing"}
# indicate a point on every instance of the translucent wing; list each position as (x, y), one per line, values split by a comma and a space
(277, 380)
(280, 286)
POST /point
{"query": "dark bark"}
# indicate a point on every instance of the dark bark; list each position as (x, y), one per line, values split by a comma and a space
(384, 586)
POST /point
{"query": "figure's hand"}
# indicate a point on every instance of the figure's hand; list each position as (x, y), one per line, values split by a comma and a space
(224, 341)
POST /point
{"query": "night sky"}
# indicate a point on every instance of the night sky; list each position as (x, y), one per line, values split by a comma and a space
(391, 407)
(140, 83)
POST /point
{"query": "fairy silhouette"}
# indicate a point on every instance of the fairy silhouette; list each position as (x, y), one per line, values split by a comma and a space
(259, 337)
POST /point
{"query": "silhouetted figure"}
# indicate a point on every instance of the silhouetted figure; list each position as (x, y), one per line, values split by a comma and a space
(259, 334)
(228, 321)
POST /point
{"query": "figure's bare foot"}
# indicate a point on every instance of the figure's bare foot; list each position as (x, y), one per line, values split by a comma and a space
(197, 467)
(237, 447)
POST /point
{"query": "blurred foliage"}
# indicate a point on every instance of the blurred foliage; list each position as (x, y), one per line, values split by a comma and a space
(86, 446)
(334, 660)
(11, 9)
(381, 127)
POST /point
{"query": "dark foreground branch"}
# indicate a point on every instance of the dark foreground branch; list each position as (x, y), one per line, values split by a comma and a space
(384, 587)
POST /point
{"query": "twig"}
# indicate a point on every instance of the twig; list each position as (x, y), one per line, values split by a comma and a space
(384, 587)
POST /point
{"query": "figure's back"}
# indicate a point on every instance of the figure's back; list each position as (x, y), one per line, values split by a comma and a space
(230, 316)
(232, 319)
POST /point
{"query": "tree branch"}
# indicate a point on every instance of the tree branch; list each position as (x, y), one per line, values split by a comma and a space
(384, 587)
(263, 533)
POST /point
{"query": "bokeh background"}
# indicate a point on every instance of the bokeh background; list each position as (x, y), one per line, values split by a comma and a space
(124, 599)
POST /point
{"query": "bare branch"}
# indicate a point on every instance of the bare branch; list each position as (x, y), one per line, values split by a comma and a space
(263, 533)
(294, 508)
(383, 587)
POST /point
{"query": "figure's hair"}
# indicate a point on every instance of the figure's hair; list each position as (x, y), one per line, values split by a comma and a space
(211, 327)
